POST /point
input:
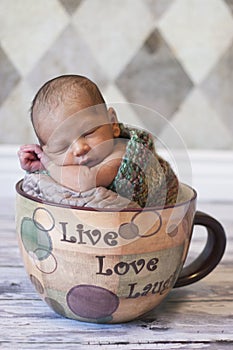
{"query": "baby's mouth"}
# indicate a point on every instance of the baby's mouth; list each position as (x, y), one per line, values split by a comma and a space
(83, 161)
(87, 162)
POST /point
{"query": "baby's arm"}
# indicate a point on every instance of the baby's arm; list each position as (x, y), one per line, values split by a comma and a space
(82, 178)
(29, 157)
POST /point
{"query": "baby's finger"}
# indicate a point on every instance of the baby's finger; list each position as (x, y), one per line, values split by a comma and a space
(31, 148)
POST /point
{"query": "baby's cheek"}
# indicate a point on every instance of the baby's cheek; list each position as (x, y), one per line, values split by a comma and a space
(65, 159)
(56, 159)
(106, 147)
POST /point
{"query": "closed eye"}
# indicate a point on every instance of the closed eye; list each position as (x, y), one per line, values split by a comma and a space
(90, 132)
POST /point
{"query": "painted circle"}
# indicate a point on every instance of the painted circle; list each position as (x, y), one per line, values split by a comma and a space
(128, 230)
(157, 217)
(172, 230)
(47, 266)
(92, 302)
(57, 307)
(37, 284)
(43, 215)
(35, 238)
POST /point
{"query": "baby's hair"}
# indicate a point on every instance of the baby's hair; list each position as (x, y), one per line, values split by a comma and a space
(56, 90)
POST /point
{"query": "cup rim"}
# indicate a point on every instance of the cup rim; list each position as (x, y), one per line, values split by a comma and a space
(20, 192)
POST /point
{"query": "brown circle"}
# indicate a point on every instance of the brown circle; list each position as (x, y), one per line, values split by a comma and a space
(57, 307)
(128, 230)
(37, 284)
(172, 230)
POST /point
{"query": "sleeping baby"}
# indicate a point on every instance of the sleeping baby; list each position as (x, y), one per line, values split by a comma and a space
(82, 146)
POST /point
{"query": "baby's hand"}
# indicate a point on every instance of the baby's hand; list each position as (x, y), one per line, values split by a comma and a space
(45, 160)
(29, 157)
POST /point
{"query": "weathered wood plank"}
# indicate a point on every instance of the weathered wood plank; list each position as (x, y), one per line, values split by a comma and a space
(182, 322)
(123, 346)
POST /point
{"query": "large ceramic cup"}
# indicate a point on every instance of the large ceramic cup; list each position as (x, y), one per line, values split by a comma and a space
(112, 266)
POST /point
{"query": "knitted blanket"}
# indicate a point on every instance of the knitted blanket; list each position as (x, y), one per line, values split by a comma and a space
(144, 177)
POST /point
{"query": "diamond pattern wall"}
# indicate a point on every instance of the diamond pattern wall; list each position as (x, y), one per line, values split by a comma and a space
(154, 76)
(199, 32)
(173, 56)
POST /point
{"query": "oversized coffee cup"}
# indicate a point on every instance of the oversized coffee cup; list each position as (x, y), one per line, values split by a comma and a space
(111, 266)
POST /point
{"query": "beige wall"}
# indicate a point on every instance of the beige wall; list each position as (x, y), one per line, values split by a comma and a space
(172, 56)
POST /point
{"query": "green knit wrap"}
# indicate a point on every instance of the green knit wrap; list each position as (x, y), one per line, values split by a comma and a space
(143, 176)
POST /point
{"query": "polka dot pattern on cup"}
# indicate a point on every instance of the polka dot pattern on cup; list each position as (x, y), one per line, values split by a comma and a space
(92, 302)
(35, 239)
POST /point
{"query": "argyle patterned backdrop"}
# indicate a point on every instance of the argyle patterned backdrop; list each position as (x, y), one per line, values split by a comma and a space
(174, 56)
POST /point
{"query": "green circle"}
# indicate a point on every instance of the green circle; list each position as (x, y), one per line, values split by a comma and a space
(35, 239)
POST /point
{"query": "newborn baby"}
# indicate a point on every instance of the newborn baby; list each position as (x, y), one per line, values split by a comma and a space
(82, 145)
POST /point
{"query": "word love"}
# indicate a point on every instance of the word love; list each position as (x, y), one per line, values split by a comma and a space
(123, 267)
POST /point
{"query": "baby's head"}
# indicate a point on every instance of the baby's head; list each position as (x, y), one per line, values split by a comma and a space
(60, 98)
(68, 107)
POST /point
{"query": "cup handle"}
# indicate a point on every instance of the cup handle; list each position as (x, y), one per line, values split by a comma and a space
(211, 254)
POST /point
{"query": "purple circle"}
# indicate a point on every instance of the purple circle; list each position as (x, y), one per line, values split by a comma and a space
(92, 302)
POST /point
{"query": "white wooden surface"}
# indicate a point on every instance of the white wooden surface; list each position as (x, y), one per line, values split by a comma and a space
(199, 316)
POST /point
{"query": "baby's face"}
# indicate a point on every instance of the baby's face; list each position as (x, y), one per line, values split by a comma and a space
(85, 138)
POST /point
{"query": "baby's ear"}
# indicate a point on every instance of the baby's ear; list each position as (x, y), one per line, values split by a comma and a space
(116, 130)
(112, 116)
(113, 120)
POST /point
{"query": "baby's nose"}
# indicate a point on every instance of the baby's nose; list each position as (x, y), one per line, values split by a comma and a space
(80, 147)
